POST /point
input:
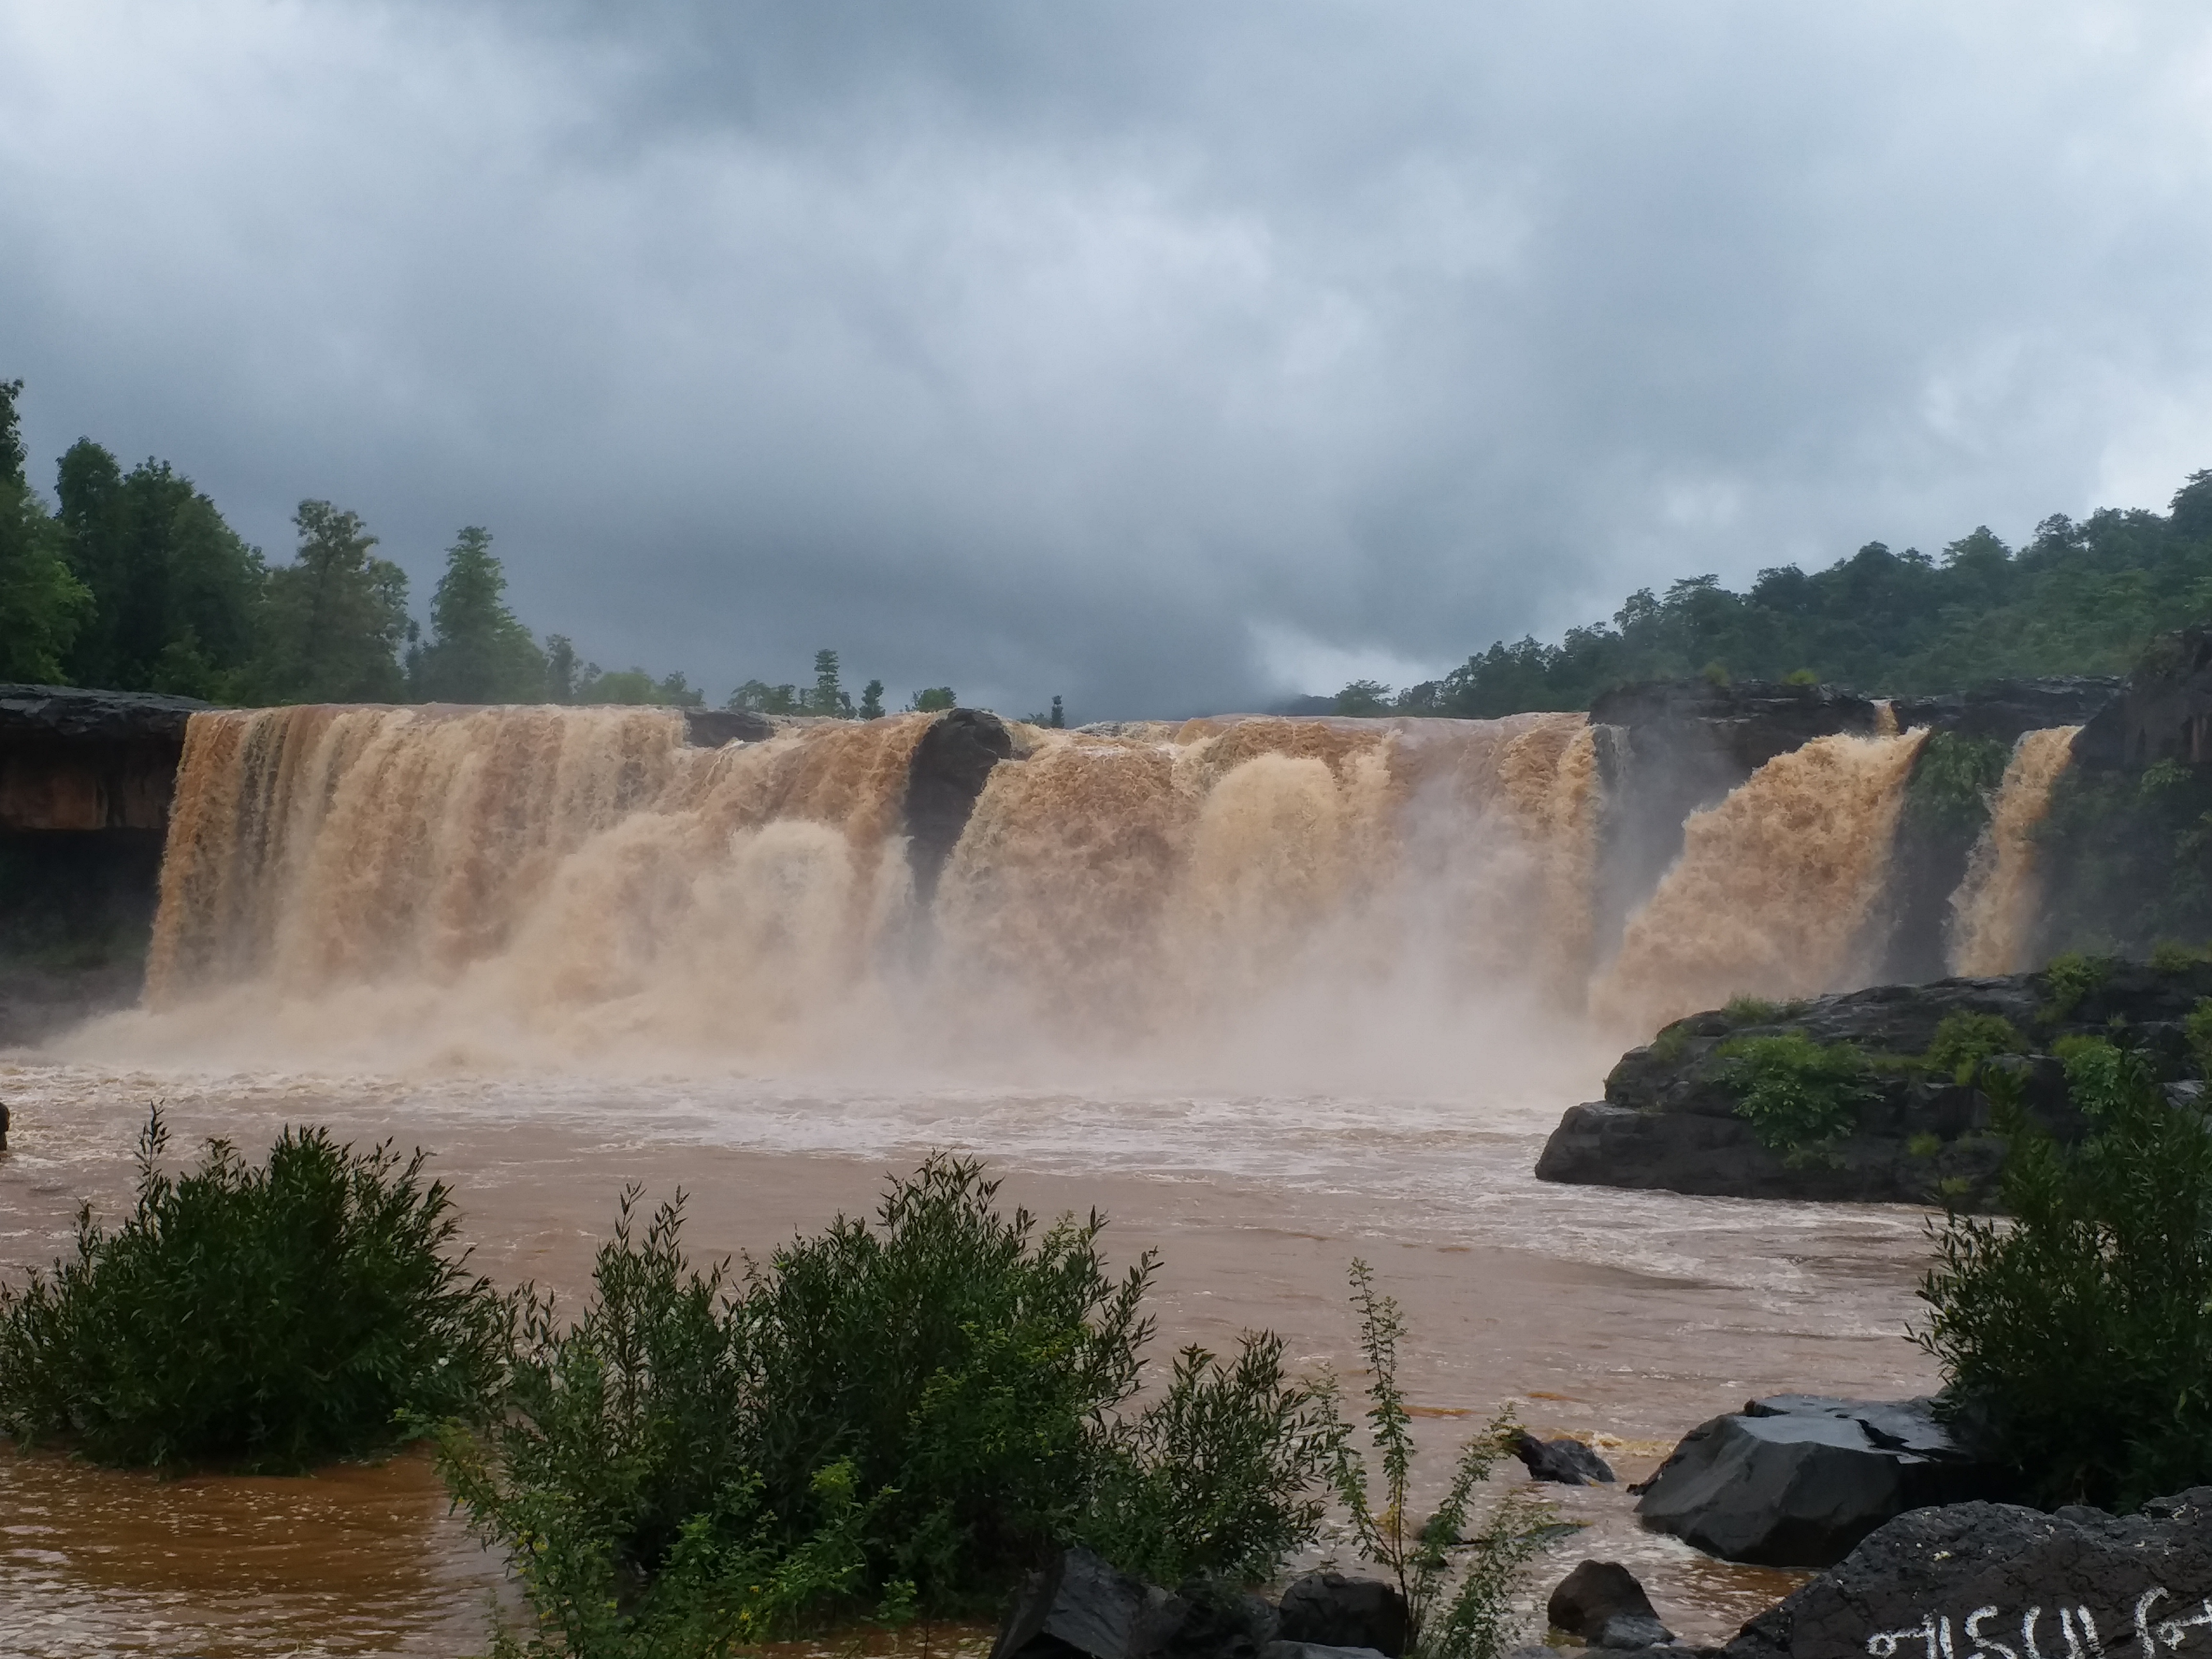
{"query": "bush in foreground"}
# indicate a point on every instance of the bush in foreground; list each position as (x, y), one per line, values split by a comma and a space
(273, 1316)
(882, 1419)
(2082, 1329)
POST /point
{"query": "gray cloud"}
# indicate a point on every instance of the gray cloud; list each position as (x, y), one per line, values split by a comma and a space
(1164, 357)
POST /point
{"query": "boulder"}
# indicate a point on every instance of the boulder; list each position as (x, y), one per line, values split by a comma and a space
(1568, 1462)
(1327, 1609)
(1600, 1602)
(1796, 1480)
(1080, 1603)
(1221, 1623)
(2004, 709)
(710, 728)
(949, 767)
(1967, 1580)
(1669, 1118)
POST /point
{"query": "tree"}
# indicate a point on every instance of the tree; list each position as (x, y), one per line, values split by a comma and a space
(828, 696)
(173, 588)
(1364, 697)
(561, 668)
(759, 697)
(335, 617)
(931, 699)
(478, 652)
(41, 604)
(872, 701)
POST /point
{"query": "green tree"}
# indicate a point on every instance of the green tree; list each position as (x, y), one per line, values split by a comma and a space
(42, 605)
(561, 668)
(872, 701)
(1364, 697)
(931, 699)
(173, 588)
(828, 696)
(478, 652)
(759, 697)
(335, 618)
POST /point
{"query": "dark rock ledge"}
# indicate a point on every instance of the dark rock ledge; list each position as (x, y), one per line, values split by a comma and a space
(1669, 1117)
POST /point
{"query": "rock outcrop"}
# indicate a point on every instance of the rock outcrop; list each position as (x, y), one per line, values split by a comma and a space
(85, 782)
(2164, 713)
(1797, 1480)
(1079, 1604)
(950, 765)
(2004, 709)
(1670, 1119)
(1668, 750)
(1976, 1579)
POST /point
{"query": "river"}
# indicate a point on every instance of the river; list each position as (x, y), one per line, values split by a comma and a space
(1627, 1317)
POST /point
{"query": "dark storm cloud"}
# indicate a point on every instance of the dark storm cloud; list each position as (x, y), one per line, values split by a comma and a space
(1166, 357)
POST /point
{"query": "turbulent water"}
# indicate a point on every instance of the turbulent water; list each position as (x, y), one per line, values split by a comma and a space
(1993, 913)
(1248, 899)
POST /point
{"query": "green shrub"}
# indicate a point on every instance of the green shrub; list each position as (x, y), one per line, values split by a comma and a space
(1793, 1091)
(1948, 793)
(1478, 1620)
(2067, 978)
(2081, 1330)
(2196, 1032)
(1671, 1042)
(879, 1419)
(273, 1316)
(1208, 1479)
(1924, 1145)
(1964, 1040)
(1751, 1011)
(2171, 956)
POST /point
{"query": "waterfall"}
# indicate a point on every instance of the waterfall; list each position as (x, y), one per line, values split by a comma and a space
(1993, 913)
(1775, 895)
(465, 877)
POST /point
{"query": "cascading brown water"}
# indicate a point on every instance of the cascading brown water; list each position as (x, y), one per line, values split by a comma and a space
(1775, 893)
(1993, 913)
(583, 878)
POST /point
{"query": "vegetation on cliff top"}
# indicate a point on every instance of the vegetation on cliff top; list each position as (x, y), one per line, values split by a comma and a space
(2081, 597)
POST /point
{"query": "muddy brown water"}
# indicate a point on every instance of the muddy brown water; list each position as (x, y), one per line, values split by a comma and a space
(1619, 1316)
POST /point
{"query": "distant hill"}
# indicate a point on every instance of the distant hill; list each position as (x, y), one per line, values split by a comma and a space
(2079, 598)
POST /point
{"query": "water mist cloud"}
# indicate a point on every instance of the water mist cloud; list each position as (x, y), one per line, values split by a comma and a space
(1103, 352)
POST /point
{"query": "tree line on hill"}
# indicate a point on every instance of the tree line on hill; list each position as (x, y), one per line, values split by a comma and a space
(135, 583)
(2080, 598)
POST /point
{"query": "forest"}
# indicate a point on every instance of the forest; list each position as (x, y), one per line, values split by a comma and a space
(133, 581)
(2079, 598)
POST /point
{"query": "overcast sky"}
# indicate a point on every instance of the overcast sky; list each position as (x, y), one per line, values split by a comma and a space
(1166, 355)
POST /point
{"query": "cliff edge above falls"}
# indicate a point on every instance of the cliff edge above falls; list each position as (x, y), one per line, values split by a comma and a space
(1673, 1114)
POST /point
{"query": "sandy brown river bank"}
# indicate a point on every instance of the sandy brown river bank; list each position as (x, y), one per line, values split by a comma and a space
(1623, 1316)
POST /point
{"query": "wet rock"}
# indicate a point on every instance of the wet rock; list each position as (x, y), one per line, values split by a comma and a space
(1668, 1119)
(950, 765)
(1668, 750)
(1568, 1462)
(710, 728)
(1082, 1604)
(1222, 1622)
(1327, 1609)
(1796, 1480)
(1600, 1602)
(72, 714)
(1979, 1579)
(1316, 1650)
(2164, 713)
(2004, 709)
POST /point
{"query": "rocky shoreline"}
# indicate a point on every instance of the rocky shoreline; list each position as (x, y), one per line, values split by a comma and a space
(1673, 1117)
